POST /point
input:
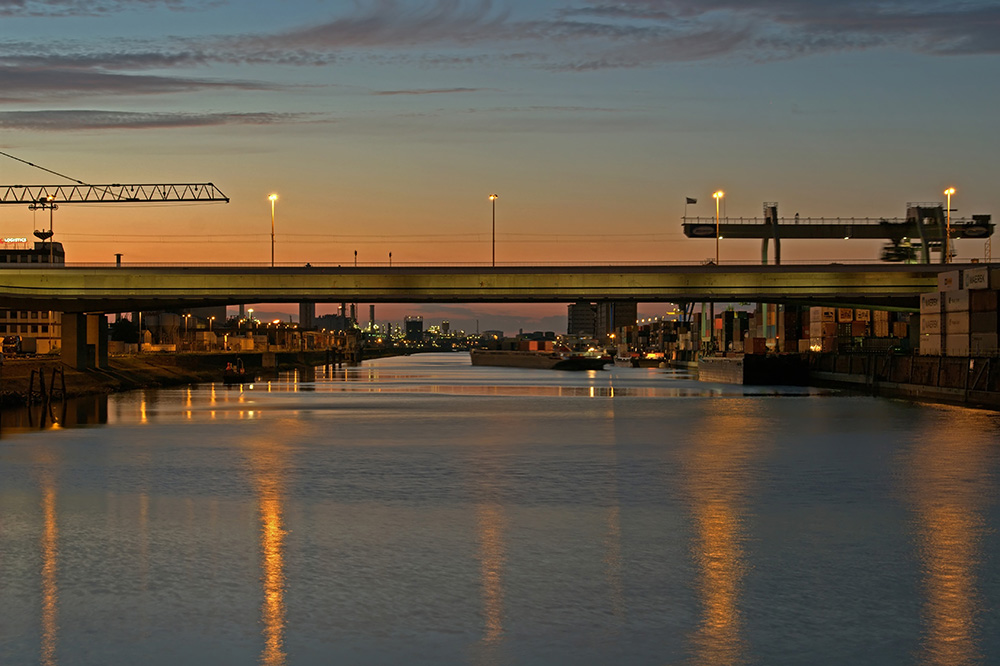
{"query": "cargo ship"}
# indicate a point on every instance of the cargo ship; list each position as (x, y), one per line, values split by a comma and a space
(538, 359)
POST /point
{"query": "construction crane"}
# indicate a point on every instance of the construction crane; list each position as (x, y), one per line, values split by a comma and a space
(48, 197)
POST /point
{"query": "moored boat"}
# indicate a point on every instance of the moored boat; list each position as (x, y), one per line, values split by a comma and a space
(533, 359)
(234, 373)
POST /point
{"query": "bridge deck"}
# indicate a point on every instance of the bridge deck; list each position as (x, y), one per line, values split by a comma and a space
(111, 289)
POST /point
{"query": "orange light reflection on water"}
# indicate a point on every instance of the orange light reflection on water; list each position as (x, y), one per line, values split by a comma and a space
(50, 564)
(717, 472)
(948, 484)
(490, 521)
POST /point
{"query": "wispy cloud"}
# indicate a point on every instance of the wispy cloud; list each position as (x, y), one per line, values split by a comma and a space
(55, 8)
(116, 120)
(430, 91)
(25, 84)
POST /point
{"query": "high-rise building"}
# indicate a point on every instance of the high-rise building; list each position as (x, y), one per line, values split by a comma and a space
(581, 319)
(612, 315)
(414, 328)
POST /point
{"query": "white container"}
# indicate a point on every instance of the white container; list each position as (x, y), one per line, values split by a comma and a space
(930, 345)
(950, 281)
(818, 314)
(956, 345)
(956, 301)
(929, 325)
(976, 278)
(930, 303)
(957, 322)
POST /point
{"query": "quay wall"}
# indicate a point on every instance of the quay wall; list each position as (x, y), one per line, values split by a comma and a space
(972, 381)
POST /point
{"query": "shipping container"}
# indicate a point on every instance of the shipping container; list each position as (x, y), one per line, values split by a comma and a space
(804, 345)
(950, 281)
(983, 300)
(819, 314)
(956, 345)
(976, 278)
(880, 329)
(859, 329)
(956, 323)
(845, 315)
(900, 329)
(823, 329)
(930, 303)
(862, 315)
(930, 345)
(930, 325)
(984, 322)
(882, 315)
(956, 301)
(983, 343)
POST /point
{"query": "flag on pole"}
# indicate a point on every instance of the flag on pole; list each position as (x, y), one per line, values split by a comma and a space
(690, 200)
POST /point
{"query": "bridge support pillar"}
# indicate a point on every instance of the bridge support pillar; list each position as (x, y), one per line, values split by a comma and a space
(84, 341)
(307, 316)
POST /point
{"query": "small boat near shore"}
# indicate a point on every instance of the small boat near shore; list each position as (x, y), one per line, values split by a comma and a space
(235, 373)
(537, 359)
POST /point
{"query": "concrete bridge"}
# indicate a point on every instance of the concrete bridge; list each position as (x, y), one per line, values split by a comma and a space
(85, 289)
(83, 293)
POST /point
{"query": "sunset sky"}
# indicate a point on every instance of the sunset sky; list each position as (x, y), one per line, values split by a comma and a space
(383, 125)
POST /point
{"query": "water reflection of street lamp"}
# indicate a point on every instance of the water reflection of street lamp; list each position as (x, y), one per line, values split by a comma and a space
(718, 197)
(947, 236)
(273, 198)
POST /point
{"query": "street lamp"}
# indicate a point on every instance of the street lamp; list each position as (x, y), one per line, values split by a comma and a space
(718, 197)
(493, 199)
(273, 198)
(947, 236)
(42, 205)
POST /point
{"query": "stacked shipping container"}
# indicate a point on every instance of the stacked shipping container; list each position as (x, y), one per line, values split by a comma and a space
(961, 318)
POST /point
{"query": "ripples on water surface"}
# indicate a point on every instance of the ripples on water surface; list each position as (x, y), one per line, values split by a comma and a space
(419, 510)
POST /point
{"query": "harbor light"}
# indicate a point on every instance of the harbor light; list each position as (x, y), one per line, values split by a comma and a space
(947, 236)
(272, 198)
(717, 195)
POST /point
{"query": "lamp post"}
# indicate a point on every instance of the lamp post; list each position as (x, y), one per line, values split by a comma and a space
(718, 197)
(42, 205)
(493, 200)
(273, 198)
(947, 235)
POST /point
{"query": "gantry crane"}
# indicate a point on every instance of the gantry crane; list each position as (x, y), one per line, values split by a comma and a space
(48, 197)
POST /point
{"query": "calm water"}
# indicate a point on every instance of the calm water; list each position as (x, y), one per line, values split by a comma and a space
(421, 511)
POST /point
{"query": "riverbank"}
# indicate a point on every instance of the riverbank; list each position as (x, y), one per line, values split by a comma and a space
(126, 373)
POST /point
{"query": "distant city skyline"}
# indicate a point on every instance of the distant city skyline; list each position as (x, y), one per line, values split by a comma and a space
(384, 125)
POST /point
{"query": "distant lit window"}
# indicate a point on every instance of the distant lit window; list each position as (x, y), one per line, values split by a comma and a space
(34, 328)
(34, 314)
